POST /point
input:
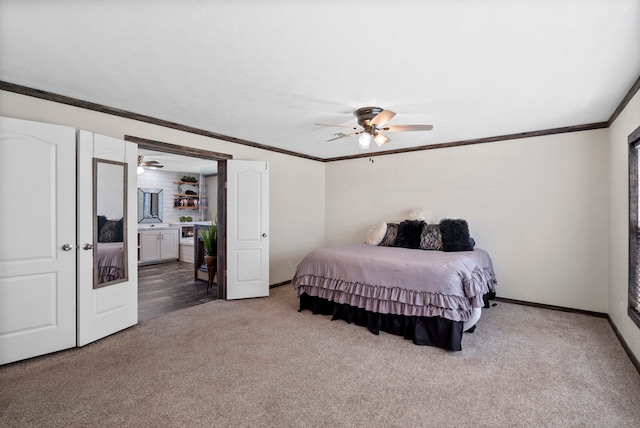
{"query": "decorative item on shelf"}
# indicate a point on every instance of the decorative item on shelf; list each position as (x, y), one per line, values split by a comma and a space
(188, 179)
(186, 202)
(179, 187)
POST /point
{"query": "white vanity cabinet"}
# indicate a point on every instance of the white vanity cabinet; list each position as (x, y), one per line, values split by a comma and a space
(158, 245)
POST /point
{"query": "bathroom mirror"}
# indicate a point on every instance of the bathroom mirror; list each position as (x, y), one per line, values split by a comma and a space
(149, 205)
(110, 222)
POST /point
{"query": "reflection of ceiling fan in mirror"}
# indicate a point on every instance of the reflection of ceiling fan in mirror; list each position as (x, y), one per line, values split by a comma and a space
(372, 121)
(142, 164)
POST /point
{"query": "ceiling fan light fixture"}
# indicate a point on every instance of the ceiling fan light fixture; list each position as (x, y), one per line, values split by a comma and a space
(140, 169)
(379, 139)
(364, 140)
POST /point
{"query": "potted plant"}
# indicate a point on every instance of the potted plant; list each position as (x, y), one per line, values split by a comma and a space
(210, 239)
(210, 242)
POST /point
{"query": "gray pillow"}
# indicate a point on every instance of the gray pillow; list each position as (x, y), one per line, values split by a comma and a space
(431, 238)
(390, 237)
(111, 231)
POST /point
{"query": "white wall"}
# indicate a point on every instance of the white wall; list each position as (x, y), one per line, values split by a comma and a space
(296, 186)
(619, 131)
(538, 205)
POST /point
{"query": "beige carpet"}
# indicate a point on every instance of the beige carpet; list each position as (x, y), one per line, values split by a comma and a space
(261, 363)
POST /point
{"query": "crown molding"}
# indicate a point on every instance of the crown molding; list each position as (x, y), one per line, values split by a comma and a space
(49, 96)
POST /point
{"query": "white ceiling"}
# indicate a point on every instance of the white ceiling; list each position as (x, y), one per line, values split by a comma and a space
(266, 71)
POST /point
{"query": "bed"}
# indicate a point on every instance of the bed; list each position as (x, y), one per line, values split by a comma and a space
(110, 261)
(110, 250)
(429, 297)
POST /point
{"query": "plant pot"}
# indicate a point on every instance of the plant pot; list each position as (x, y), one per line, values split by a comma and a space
(212, 267)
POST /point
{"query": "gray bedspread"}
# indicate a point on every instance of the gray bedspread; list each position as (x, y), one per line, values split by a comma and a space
(401, 281)
(110, 261)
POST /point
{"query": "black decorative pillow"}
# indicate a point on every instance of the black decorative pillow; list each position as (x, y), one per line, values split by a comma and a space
(409, 232)
(455, 235)
(431, 238)
(390, 237)
(102, 219)
(111, 231)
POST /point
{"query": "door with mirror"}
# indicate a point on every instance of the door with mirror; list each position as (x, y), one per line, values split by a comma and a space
(107, 286)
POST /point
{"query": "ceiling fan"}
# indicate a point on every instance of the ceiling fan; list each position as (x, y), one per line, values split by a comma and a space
(373, 120)
(147, 164)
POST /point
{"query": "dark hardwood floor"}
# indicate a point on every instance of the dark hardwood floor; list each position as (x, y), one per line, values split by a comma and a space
(167, 287)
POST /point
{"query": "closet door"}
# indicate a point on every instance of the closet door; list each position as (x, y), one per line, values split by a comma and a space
(247, 229)
(107, 236)
(37, 239)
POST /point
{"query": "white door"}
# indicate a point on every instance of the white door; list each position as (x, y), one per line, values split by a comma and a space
(247, 229)
(105, 310)
(37, 239)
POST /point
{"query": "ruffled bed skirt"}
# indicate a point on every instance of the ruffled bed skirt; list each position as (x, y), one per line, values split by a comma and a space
(427, 331)
(109, 273)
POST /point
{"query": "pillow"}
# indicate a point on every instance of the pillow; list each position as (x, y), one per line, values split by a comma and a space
(431, 238)
(111, 231)
(409, 232)
(415, 214)
(102, 219)
(455, 235)
(390, 237)
(376, 234)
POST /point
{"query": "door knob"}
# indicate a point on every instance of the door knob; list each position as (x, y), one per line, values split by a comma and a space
(264, 235)
(87, 246)
(67, 247)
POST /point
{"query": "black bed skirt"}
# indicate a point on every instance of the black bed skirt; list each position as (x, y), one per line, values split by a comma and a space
(427, 331)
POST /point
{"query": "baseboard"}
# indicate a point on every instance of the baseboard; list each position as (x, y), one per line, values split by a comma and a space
(626, 348)
(279, 284)
(552, 307)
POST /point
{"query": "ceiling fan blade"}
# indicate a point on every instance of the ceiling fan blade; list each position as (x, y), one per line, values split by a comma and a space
(342, 135)
(336, 126)
(405, 128)
(381, 139)
(383, 117)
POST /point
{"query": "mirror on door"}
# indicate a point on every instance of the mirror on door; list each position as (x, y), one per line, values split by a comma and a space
(110, 222)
